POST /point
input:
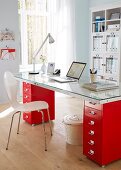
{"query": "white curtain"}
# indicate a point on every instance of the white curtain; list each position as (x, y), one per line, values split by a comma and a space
(62, 28)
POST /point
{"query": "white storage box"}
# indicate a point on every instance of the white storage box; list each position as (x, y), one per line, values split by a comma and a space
(74, 129)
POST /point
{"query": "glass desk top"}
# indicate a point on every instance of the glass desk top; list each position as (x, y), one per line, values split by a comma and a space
(73, 88)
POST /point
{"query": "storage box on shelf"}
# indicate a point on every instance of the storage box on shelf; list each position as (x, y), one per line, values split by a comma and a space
(35, 93)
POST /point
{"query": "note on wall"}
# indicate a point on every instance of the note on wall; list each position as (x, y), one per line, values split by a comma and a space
(7, 54)
(6, 35)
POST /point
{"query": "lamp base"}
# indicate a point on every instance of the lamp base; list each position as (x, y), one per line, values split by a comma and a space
(33, 72)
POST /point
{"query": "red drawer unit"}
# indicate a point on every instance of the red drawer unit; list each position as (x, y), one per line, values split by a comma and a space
(36, 93)
(92, 133)
(101, 133)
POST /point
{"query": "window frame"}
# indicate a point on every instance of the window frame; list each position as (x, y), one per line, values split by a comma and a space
(23, 13)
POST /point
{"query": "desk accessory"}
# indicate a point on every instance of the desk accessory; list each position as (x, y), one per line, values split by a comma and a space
(74, 73)
(50, 68)
(93, 75)
(51, 40)
(57, 72)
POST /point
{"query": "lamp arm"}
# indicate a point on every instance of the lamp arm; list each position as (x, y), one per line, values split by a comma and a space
(37, 52)
(51, 40)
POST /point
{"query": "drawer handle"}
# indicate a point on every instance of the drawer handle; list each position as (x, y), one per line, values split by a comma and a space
(26, 116)
(91, 152)
(92, 112)
(93, 103)
(26, 90)
(26, 97)
(91, 132)
(91, 122)
(91, 142)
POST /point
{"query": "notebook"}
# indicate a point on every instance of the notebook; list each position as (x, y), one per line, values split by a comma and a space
(98, 86)
(74, 73)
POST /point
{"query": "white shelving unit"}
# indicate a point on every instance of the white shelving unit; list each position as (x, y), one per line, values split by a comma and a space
(105, 43)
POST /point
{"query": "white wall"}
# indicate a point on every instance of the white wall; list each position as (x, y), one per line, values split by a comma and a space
(8, 19)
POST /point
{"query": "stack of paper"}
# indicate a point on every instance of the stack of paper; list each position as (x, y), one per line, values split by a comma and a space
(97, 86)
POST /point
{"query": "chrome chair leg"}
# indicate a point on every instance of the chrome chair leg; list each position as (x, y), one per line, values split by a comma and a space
(49, 122)
(10, 130)
(19, 123)
(43, 123)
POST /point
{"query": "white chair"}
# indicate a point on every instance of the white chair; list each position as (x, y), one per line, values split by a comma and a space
(11, 85)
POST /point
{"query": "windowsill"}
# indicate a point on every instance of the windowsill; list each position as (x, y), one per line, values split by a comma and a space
(29, 68)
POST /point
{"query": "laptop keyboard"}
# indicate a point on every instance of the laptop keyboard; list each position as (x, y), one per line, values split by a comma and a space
(63, 79)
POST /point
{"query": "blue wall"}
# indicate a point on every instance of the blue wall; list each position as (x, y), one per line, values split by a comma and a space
(82, 30)
(9, 19)
(93, 3)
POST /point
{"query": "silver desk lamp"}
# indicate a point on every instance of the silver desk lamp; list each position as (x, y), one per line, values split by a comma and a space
(51, 40)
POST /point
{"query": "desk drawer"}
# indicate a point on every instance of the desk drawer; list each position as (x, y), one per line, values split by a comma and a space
(26, 85)
(92, 113)
(93, 153)
(27, 117)
(93, 105)
(26, 90)
(27, 98)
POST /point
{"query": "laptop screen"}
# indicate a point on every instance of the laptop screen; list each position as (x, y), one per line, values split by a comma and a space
(76, 69)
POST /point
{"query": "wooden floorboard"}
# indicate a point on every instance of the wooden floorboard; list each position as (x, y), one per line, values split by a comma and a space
(26, 150)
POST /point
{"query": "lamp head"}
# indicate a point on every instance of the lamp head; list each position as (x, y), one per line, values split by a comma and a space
(51, 40)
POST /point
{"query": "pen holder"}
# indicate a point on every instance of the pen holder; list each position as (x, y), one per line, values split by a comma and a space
(93, 77)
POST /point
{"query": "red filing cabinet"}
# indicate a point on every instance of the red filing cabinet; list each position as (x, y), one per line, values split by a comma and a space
(35, 93)
(101, 133)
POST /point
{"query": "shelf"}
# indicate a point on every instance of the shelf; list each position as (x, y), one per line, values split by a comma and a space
(98, 22)
(105, 42)
(111, 20)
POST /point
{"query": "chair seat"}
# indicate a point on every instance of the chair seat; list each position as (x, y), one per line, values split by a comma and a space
(32, 106)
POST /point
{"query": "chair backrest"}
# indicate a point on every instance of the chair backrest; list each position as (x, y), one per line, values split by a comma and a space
(11, 85)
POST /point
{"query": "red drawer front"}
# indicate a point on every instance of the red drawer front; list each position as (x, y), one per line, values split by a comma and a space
(92, 133)
(93, 105)
(27, 98)
(93, 153)
(27, 117)
(35, 117)
(92, 124)
(92, 113)
(26, 85)
(26, 90)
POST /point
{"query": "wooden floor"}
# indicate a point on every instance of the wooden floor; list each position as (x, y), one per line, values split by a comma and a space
(26, 150)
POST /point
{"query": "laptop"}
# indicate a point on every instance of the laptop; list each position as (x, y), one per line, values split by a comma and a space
(74, 73)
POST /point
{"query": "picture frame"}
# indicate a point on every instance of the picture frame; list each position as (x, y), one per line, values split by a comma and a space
(50, 68)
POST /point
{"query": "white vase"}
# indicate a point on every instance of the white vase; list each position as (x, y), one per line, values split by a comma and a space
(43, 68)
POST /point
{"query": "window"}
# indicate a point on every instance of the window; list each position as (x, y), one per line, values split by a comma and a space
(33, 28)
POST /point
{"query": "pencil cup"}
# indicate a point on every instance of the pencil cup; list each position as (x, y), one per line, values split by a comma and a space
(93, 77)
